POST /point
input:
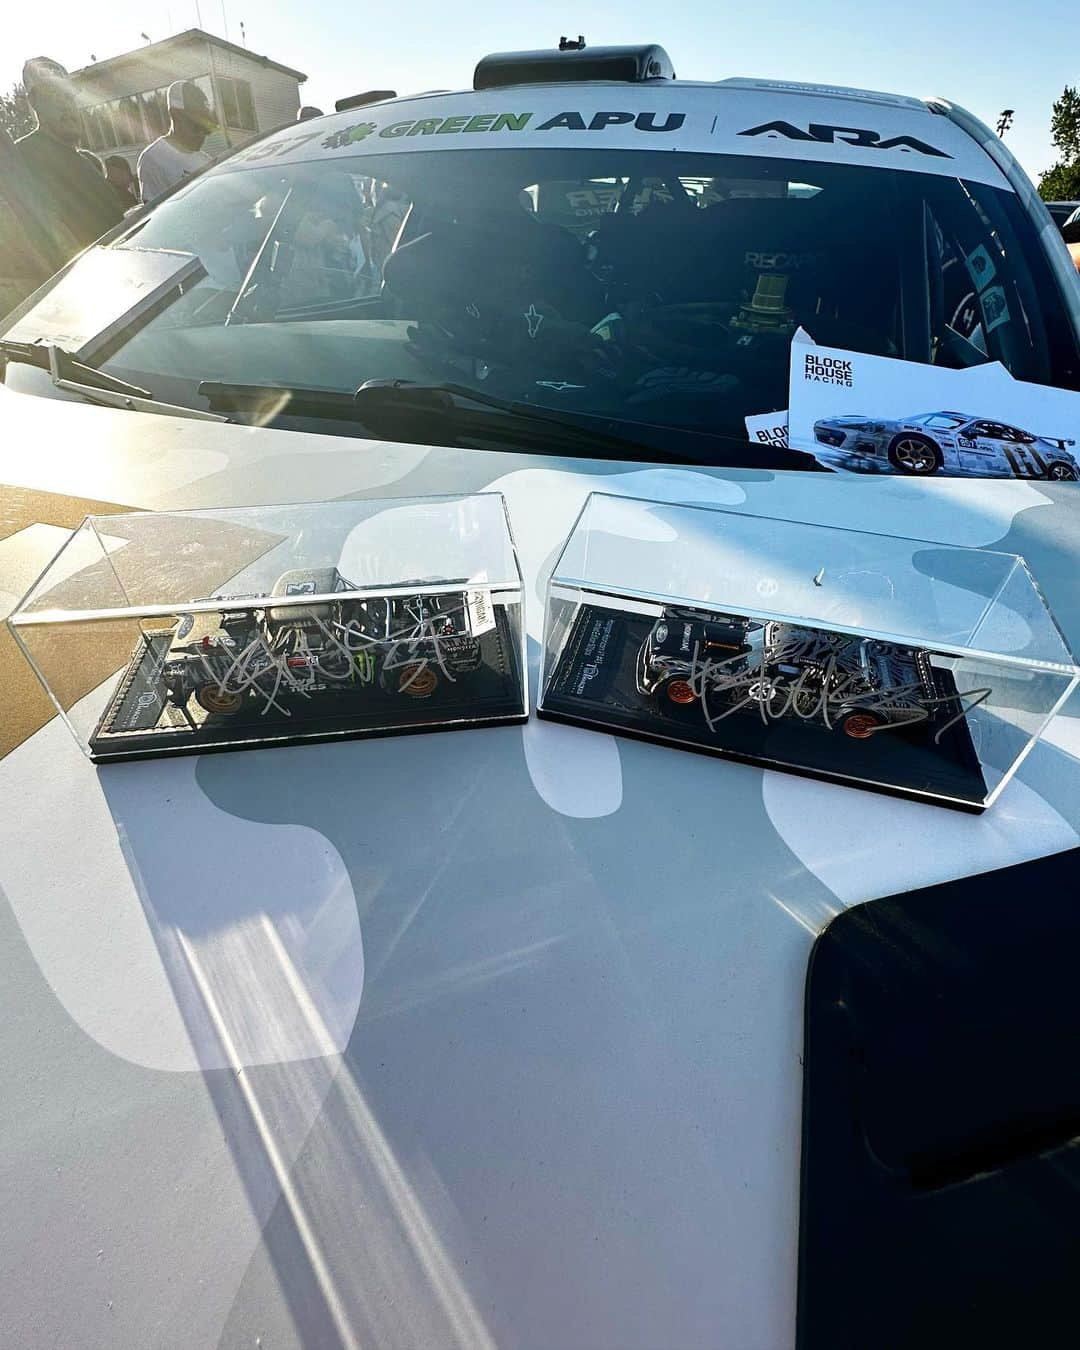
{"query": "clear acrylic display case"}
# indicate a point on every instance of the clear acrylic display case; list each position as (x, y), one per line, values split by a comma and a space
(910, 667)
(172, 632)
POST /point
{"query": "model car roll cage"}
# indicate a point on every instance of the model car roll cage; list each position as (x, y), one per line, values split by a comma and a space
(804, 673)
(411, 634)
(814, 675)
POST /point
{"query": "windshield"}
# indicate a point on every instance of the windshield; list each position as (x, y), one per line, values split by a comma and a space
(644, 286)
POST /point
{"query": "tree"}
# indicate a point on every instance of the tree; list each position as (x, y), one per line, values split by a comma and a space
(1065, 123)
(16, 117)
(1061, 182)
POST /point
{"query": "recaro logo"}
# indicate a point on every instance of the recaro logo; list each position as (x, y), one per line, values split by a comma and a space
(860, 136)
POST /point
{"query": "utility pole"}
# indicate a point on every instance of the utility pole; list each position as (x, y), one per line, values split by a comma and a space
(1004, 122)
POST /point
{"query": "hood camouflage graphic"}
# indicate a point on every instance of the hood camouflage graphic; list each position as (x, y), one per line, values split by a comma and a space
(418, 1031)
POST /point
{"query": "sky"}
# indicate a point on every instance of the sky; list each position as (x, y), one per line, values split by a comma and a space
(983, 54)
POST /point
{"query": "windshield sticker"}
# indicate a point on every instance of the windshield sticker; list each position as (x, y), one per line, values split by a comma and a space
(768, 428)
(980, 267)
(859, 136)
(428, 126)
(502, 122)
(873, 414)
(995, 308)
(704, 120)
(827, 370)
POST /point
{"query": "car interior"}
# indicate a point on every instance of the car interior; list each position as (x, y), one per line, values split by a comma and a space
(631, 278)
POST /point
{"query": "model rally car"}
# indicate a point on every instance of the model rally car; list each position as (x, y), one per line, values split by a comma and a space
(726, 663)
(272, 653)
(953, 442)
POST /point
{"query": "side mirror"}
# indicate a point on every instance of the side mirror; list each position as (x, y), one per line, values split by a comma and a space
(1070, 231)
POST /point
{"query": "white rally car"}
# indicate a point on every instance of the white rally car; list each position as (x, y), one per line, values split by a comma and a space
(513, 1037)
(952, 443)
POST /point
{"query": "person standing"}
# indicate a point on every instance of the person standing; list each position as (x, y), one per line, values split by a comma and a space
(65, 188)
(23, 267)
(387, 217)
(178, 154)
(119, 176)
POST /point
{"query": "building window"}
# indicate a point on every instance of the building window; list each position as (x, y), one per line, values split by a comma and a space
(139, 118)
(155, 113)
(131, 122)
(134, 120)
(90, 128)
(237, 106)
(100, 132)
(119, 122)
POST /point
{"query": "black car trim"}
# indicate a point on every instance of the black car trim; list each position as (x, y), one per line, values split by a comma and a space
(940, 1191)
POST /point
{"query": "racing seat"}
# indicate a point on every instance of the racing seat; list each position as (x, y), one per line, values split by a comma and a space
(503, 262)
(644, 255)
(836, 273)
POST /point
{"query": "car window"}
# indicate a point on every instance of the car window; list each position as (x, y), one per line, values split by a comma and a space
(658, 288)
(985, 288)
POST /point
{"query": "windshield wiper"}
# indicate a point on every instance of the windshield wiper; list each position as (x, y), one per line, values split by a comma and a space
(443, 397)
(97, 386)
(403, 395)
(424, 413)
(403, 410)
(62, 365)
(417, 391)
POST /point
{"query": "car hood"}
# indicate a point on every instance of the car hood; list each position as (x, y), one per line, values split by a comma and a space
(442, 1002)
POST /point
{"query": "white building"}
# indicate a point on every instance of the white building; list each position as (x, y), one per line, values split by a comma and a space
(124, 96)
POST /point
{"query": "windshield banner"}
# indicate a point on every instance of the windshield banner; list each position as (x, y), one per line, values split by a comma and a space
(873, 414)
(691, 118)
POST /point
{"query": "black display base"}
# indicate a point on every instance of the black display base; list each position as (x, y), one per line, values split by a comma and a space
(600, 656)
(139, 721)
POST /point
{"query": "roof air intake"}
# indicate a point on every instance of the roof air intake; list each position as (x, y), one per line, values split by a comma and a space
(573, 62)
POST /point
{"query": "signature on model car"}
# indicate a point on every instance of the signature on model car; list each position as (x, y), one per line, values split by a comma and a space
(273, 653)
(727, 664)
(954, 443)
